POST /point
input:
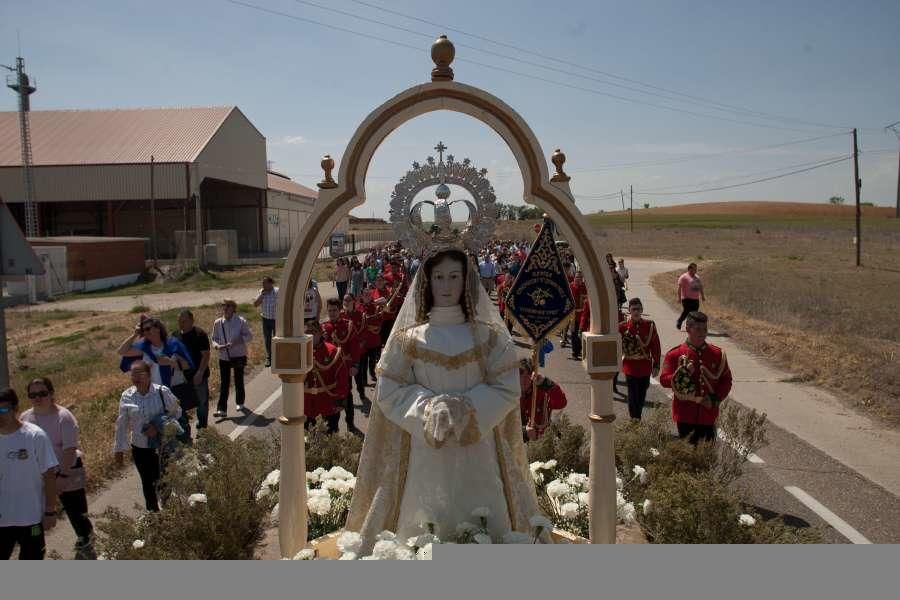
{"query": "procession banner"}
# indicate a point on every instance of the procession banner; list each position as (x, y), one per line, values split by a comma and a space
(540, 298)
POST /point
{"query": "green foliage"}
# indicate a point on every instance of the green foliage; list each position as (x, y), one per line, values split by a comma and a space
(327, 450)
(228, 526)
(564, 442)
(836, 200)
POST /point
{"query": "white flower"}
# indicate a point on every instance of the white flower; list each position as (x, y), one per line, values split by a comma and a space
(538, 477)
(315, 476)
(627, 513)
(137, 544)
(274, 515)
(368, 558)
(466, 527)
(482, 512)
(640, 472)
(549, 465)
(619, 483)
(348, 556)
(404, 554)
(536, 466)
(273, 478)
(305, 554)
(424, 553)
(648, 506)
(385, 550)
(540, 521)
(569, 510)
(341, 486)
(420, 541)
(654, 452)
(516, 537)
(196, 499)
(620, 500)
(746, 520)
(557, 489)
(579, 480)
(482, 538)
(349, 542)
(319, 505)
(337, 472)
(386, 535)
(102, 556)
(583, 498)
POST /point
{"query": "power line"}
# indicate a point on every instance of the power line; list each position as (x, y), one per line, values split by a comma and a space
(689, 157)
(598, 71)
(512, 71)
(727, 187)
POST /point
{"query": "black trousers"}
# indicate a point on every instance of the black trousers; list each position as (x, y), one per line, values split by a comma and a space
(30, 539)
(225, 369)
(75, 505)
(688, 305)
(341, 289)
(637, 394)
(146, 460)
(362, 373)
(268, 329)
(372, 356)
(576, 341)
(695, 433)
(386, 327)
(349, 409)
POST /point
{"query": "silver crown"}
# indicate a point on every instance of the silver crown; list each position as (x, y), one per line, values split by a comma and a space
(406, 216)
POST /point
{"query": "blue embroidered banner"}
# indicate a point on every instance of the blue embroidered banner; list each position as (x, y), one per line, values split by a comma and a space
(540, 298)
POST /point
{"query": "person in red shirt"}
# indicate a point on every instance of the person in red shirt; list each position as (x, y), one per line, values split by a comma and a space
(580, 294)
(339, 331)
(371, 334)
(326, 385)
(700, 378)
(640, 356)
(351, 311)
(550, 397)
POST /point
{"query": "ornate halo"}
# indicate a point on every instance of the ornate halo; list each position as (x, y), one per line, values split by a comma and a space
(406, 216)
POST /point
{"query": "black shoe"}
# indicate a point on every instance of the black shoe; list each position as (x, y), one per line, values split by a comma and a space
(354, 431)
(268, 362)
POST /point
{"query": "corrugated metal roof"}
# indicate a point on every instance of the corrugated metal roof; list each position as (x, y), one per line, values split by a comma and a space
(78, 137)
(284, 184)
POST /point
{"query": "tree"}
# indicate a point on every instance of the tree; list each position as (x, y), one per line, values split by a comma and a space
(646, 205)
(836, 200)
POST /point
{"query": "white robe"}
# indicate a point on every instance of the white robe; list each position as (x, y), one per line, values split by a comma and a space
(444, 485)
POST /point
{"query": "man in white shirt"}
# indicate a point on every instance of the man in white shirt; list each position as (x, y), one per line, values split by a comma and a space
(28, 495)
(267, 301)
(622, 270)
(230, 335)
(139, 409)
(488, 271)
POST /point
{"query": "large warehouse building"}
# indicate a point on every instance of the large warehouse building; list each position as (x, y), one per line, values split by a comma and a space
(97, 171)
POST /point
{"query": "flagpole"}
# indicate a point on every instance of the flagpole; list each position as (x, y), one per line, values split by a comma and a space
(534, 371)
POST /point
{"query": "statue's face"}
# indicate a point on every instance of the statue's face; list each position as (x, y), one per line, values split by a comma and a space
(447, 282)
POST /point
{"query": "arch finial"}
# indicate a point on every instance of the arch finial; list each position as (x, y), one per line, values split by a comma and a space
(442, 53)
(559, 159)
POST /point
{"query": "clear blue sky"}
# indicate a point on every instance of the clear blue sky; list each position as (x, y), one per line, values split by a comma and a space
(307, 87)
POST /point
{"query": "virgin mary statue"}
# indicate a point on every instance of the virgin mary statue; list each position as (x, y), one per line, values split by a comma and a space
(444, 434)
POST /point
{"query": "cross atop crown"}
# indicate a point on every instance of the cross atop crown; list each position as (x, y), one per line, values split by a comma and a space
(440, 150)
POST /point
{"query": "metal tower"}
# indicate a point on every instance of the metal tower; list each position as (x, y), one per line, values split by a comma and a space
(19, 83)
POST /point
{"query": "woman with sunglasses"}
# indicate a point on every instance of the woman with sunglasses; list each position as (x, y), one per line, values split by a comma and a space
(166, 355)
(61, 427)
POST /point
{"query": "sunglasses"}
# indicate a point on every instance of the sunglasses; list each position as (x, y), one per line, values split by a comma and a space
(41, 394)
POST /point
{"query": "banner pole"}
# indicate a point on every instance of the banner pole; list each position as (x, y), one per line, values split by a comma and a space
(534, 371)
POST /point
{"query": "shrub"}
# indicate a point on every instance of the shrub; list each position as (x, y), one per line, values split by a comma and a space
(327, 450)
(226, 524)
(565, 442)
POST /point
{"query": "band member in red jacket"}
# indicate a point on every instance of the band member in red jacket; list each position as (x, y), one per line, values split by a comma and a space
(371, 334)
(698, 374)
(339, 331)
(580, 293)
(326, 385)
(550, 397)
(351, 311)
(640, 356)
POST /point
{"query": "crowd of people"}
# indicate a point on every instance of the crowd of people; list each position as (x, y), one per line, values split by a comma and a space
(170, 374)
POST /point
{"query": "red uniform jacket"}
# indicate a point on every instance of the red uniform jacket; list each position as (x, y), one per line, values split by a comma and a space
(550, 397)
(341, 334)
(356, 322)
(710, 374)
(585, 323)
(580, 294)
(640, 347)
(327, 384)
(371, 322)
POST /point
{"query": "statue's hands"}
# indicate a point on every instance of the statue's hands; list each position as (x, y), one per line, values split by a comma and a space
(450, 418)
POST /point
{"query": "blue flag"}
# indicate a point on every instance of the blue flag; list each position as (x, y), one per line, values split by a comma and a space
(540, 298)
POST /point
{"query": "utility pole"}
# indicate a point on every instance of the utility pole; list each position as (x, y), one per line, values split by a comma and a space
(631, 201)
(895, 127)
(857, 184)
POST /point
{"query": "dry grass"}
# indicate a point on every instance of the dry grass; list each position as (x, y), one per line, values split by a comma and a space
(78, 352)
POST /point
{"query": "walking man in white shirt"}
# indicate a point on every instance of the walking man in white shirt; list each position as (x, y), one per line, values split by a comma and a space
(267, 300)
(28, 495)
(138, 425)
(230, 335)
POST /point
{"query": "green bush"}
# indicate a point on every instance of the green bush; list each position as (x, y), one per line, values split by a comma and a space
(328, 450)
(564, 442)
(227, 525)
